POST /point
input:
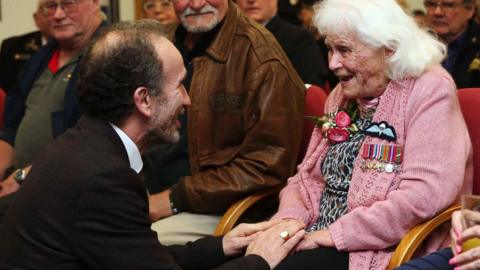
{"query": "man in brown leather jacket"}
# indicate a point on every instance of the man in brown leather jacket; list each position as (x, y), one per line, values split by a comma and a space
(242, 131)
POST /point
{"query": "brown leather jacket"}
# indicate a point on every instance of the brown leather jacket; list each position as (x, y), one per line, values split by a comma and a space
(245, 121)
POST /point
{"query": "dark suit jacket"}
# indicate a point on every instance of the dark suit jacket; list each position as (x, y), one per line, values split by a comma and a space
(14, 54)
(469, 51)
(288, 12)
(83, 207)
(302, 50)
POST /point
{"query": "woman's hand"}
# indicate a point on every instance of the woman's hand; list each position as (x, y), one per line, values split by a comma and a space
(316, 239)
(241, 236)
(456, 231)
(274, 244)
(469, 259)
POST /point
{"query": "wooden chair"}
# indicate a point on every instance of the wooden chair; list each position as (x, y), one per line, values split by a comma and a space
(315, 98)
(469, 103)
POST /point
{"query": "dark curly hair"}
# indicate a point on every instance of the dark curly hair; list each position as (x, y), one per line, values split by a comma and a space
(120, 59)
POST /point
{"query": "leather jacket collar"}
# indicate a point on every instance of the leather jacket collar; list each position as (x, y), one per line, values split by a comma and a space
(222, 43)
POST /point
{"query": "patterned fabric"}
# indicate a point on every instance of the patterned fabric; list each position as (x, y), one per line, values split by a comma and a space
(337, 171)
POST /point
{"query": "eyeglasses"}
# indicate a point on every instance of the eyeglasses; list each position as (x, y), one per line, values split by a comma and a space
(151, 5)
(445, 6)
(68, 6)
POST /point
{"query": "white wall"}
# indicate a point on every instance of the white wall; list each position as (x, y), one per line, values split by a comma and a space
(415, 4)
(17, 15)
(127, 10)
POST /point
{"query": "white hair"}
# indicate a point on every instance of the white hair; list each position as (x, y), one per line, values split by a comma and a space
(382, 23)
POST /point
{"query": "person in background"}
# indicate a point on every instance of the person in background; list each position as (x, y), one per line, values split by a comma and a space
(305, 15)
(454, 22)
(98, 217)
(298, 43)
(242, 132)
(287, 10)
(420, 17)
(15, 51)
(375, 164)
(160, 10)
(43, 104)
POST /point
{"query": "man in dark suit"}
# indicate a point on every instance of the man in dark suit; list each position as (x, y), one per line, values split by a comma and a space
(15, 51)
(84, 205)
(298, 43)
(454, 22)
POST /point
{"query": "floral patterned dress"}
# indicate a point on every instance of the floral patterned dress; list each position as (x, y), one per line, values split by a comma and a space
(337, 168)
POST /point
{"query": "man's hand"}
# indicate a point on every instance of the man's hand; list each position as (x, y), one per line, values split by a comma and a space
(241, 236)
(316, 239)
(274, 247)
(159, 205)
(7, 157)
(8, 186)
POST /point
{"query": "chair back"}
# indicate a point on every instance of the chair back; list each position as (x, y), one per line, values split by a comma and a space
(315, 98)
(470, 104)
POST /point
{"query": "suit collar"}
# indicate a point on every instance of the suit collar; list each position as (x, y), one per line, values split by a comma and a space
(471, 37)
(273, 23)
(222, 44)
(103, 128)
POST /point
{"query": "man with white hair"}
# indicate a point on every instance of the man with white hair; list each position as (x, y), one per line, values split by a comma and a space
(242, 131)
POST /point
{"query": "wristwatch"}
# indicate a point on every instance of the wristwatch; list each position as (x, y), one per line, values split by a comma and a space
(19, 176)
(172, 206)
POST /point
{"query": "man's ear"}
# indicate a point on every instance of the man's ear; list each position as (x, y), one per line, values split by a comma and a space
(143, 101)
(471, 10)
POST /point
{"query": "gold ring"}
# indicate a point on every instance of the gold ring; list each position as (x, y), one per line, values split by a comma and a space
(284, 235)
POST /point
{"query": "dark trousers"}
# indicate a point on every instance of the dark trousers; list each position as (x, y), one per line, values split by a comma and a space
(435, 261)
(319, 258)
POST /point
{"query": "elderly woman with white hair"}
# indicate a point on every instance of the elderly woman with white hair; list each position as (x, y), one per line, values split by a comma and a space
(391, 151)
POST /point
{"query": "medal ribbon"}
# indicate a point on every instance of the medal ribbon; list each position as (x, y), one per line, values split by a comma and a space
(386, 153)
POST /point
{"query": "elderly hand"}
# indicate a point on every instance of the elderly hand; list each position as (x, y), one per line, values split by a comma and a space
(241, 236)
(159, 205)
(274, 247)
(469, 259)
(316, 239)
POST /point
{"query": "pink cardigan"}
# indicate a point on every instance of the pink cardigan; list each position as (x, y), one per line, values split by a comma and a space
(382, 207)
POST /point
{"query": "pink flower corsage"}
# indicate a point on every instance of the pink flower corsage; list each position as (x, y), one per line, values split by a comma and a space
(338, 126)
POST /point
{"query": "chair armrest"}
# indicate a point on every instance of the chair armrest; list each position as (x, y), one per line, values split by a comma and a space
(412, 240)
(234, 212)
